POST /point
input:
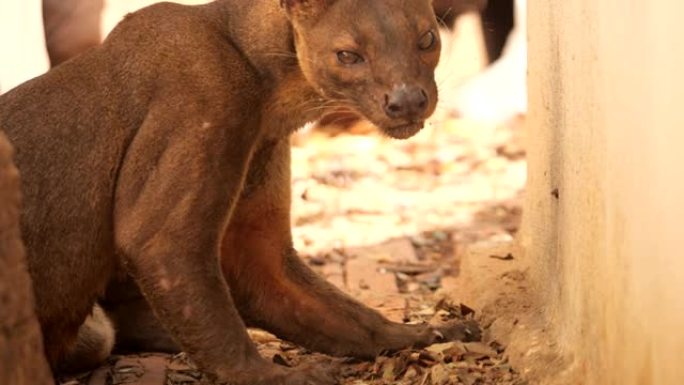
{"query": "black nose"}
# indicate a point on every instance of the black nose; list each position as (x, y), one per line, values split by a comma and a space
(406, 102)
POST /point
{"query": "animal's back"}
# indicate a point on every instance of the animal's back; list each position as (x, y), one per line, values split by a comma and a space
(67, 150)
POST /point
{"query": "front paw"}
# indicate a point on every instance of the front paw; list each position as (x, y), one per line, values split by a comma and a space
(466, 331)
(402, 336)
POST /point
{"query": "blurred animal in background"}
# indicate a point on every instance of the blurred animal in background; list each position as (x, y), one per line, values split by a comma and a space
(71, 27)
(499, 92)
(38, 34)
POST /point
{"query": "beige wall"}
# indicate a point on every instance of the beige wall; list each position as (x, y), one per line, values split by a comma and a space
(22, 42)
(606, 84)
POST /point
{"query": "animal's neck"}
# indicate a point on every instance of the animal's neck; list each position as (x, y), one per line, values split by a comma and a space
(261, 30)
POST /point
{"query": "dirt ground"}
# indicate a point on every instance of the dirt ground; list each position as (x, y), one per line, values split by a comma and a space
(388, 221)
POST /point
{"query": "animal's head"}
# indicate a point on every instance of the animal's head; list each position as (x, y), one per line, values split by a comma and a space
(376, 56)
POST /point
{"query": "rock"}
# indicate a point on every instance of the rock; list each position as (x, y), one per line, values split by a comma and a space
(21, 347)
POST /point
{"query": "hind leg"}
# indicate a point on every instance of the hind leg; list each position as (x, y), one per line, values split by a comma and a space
(137, 328)
(275, 290)
(88, 347)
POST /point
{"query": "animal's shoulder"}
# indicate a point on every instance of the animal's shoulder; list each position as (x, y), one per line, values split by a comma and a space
(183, 49)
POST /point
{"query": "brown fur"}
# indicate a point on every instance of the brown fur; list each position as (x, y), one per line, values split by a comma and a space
(167, 148)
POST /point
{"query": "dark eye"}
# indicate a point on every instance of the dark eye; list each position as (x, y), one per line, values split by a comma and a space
(349, 57)
(427, 41)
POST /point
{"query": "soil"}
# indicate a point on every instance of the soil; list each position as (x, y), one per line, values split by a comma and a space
(389, 221)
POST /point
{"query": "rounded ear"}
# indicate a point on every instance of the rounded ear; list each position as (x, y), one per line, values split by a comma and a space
(305, 9)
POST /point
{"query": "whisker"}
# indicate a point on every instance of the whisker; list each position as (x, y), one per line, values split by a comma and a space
(440, 20)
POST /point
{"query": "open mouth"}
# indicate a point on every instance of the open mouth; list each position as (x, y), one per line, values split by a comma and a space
(404, 131)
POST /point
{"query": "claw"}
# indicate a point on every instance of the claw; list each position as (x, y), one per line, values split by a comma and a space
(438, 335)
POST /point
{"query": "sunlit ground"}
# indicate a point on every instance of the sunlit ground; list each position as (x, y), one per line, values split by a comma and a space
(355, 190)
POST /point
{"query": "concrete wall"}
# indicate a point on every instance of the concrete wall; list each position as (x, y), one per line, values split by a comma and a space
(606, 131)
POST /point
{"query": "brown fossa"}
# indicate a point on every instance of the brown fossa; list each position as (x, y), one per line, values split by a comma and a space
(162, 155)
